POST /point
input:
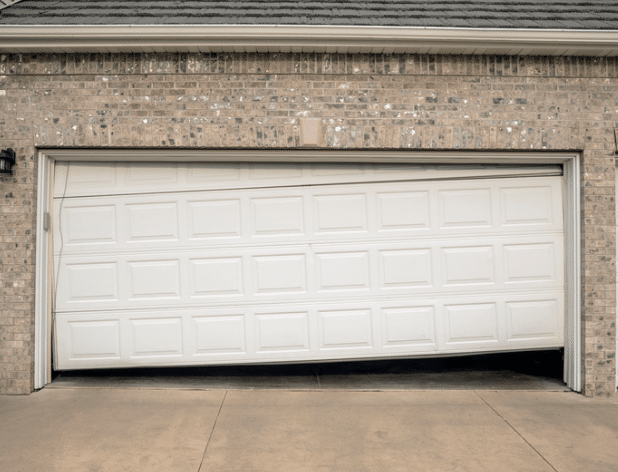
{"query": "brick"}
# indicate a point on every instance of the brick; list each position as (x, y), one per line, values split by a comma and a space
(254, 101)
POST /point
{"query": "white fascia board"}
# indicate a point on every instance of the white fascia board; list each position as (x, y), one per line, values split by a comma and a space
(273, 38)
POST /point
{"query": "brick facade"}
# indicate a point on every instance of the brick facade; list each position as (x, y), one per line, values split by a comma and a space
(255, 101)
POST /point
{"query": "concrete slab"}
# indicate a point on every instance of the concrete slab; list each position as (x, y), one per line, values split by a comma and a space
(106, 430)
(315, 430)
(572, 432)
(465, 380)
(190, 382)
(364, 431)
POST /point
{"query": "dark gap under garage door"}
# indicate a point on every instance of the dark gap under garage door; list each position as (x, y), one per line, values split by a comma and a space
(532, 370)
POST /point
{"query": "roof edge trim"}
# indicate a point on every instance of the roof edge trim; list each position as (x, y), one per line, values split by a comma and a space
(275, 38)
(8, 3)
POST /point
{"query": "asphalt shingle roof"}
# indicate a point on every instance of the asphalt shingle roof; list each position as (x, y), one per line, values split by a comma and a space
(534, 14)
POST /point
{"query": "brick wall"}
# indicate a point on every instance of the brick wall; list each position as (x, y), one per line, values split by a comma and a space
(256, 100)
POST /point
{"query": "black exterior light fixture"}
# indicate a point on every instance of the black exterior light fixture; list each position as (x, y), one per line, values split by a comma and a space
(7, 160)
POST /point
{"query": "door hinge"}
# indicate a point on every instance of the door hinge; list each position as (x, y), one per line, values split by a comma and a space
(46, 221)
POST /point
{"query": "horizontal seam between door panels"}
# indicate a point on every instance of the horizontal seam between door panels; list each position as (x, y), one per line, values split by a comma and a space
(328, 184)
(405, 300)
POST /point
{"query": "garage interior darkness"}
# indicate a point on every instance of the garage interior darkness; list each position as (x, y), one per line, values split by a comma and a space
(306, 275)
(528, 370)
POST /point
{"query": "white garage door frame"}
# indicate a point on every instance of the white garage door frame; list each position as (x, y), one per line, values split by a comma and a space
(569, 161)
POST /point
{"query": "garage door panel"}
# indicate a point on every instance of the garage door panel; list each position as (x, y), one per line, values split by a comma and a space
(343, 271)
(156, 337)
(534, 317)
(468, 265)
(535, 262)
(90, 282)
(287, 332)
(110, 178)
(86, 178)
(152, 221)
(405, 268)
(265, 271)
(465, 208)
(533, 205)
(411, 326)
(276, 215)
(399, 211)
(216, 218)
(89, 225)
(248, 333)
(207, 173)
(154, 279)
(94, 339)
(340, 213)
(261, 171)
(218, 334)
(310, 272)
(216, 277)
(280, 273)
(345, 329)
(471, 323)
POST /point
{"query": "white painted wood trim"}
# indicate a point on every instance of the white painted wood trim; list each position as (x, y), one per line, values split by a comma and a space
(573, 335)
(306, 38)
(313, 155)
(42, 329)
(573, 345)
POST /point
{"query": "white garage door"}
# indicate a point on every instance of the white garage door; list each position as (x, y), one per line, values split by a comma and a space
(244, 263)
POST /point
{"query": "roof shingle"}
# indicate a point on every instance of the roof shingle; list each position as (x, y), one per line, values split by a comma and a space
(550, 14)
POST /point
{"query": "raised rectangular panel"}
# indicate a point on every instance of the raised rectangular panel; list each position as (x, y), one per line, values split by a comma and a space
(408, 325)
(278, 215)
(94, 339)
(527, 205)
(532, 319)
(282, 332)
(155, 279)
(323, 170)
(84, 177)
(153, 221)
(213, 172)
(285, 273)
(468, 323)
(92, 282)
(150, 173)
(340, 213)
(462, 208)
(346, 328)
(156, 337)
(90, 225)
(345, 270)
(219, 334)
(530, 262)
(408, 268)
(468, 265)
(217, 276)
(403, 210)
(215, 219)
(274, 171)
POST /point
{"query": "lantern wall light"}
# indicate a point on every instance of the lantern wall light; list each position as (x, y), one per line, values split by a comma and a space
(7, 160)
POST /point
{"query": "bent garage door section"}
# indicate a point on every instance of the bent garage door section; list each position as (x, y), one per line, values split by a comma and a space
(239, 263)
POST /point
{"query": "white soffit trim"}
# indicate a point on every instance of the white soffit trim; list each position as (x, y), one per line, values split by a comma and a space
(327, 39)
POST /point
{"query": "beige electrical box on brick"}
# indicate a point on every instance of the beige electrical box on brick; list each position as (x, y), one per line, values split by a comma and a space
(310, 131)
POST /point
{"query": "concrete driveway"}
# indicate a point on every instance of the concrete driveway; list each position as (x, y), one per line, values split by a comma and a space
(150, 429)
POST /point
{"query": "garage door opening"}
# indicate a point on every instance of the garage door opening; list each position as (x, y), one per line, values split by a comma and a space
(528, 370)
(233, 263)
